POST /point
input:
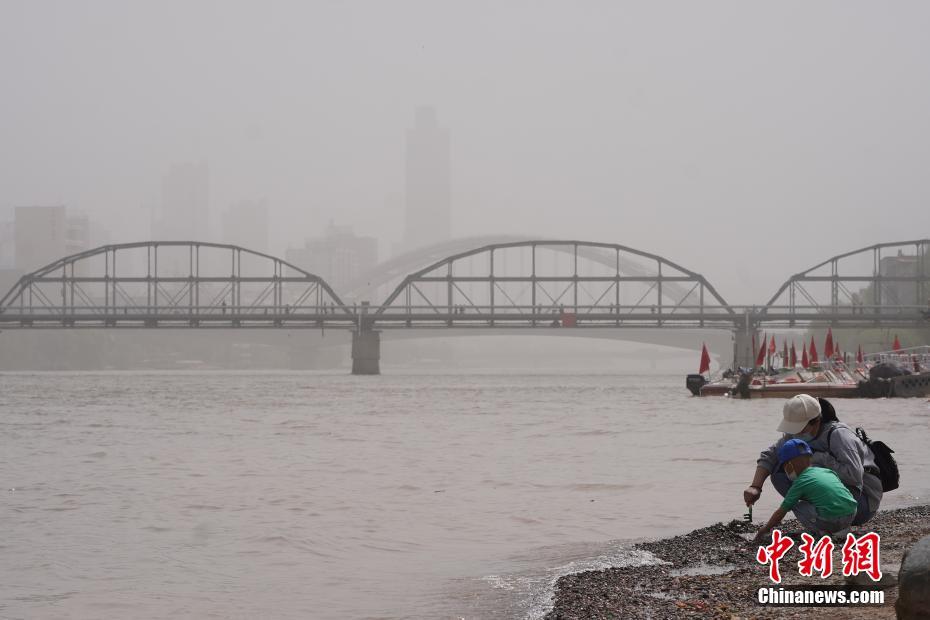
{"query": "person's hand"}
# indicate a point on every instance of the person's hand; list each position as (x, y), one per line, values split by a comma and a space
(757, 539)
(750, 495)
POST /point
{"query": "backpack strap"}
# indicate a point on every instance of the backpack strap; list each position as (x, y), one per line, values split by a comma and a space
(855, 492)
(829, 435)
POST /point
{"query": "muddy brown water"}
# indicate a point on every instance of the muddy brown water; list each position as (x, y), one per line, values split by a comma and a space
(304, 495)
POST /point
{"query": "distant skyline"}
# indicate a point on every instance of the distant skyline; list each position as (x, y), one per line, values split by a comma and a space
(745, 142)
(184, 209)
(428, 181)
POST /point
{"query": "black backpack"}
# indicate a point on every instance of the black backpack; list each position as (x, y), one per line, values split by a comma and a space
(887, 466)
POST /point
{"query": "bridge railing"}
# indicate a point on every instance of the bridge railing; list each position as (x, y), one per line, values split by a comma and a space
(128, 315)
(610, 315)
(548, 308)
(128, 310)
(849, 309)
(858, 312)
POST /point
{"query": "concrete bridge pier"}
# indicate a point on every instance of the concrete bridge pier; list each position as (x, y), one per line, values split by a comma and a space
(366, 352)
(743, 355)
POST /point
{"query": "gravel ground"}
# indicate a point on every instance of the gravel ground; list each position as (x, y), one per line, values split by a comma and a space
(682, 588)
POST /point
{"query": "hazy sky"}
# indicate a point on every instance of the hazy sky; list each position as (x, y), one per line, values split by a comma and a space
(746, 141)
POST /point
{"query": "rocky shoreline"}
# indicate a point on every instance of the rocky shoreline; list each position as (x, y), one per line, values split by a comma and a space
(712, 573)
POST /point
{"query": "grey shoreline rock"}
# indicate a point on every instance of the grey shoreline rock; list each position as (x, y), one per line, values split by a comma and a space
(914, 582)
(680, 587)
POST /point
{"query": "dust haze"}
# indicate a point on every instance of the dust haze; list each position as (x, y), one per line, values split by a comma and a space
(744, 141)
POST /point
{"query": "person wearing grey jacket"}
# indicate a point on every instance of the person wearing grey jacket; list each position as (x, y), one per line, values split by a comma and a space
(846, 455)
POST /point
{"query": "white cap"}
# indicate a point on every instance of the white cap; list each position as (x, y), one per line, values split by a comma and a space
(798, 411)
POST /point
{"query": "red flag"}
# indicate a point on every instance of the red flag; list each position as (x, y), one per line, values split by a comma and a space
(859, 355)
(828, 345)
(772, 347)
(794, 356)
(897, 344)
(805, 363)
(760, 357)
(784, 354)
(814, 359)
(705, 360)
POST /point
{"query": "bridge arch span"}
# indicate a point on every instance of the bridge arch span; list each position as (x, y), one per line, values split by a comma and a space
(531, 278)
(882, 279)
(169, 280)
(380, 281)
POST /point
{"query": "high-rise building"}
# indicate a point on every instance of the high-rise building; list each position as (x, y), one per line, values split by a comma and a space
(428, 182)
(32, 237)
(77, 233)
(42, 235)
(185, 204)
(339, 257)
(184, 213)
(901, 266)
(245, 224)
(8, 272)
(7, 244)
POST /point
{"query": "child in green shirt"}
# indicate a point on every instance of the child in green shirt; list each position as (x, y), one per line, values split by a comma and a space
(836, 507)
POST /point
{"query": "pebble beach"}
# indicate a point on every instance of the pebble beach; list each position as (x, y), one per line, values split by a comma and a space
(712, 573)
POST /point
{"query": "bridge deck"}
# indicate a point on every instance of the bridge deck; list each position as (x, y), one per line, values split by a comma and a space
(432, 319)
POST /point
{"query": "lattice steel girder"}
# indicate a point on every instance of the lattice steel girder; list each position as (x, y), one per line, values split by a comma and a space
(917, 278)
(913, 316)
(606, 279)
(182, 324)
(870, 258)
(170, 274)
(576, 250)
(513, 316)
(177, 279)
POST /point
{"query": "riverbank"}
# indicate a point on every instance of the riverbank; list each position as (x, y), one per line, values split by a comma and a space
(712, 573)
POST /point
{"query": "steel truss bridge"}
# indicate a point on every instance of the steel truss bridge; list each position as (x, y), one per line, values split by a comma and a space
(508, 283)
(170, 284)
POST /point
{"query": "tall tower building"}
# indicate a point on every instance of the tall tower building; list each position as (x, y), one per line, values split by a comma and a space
(428, 182)
(7, 241)
(184, 213)
(185, 204)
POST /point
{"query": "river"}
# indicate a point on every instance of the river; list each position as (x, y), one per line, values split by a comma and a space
(318, 495)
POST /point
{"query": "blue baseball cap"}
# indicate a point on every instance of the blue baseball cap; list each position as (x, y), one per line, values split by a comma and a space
(793, 448)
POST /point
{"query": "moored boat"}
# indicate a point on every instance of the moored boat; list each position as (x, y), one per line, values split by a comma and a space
(902, 373)
(698, 385)
(835, 382)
